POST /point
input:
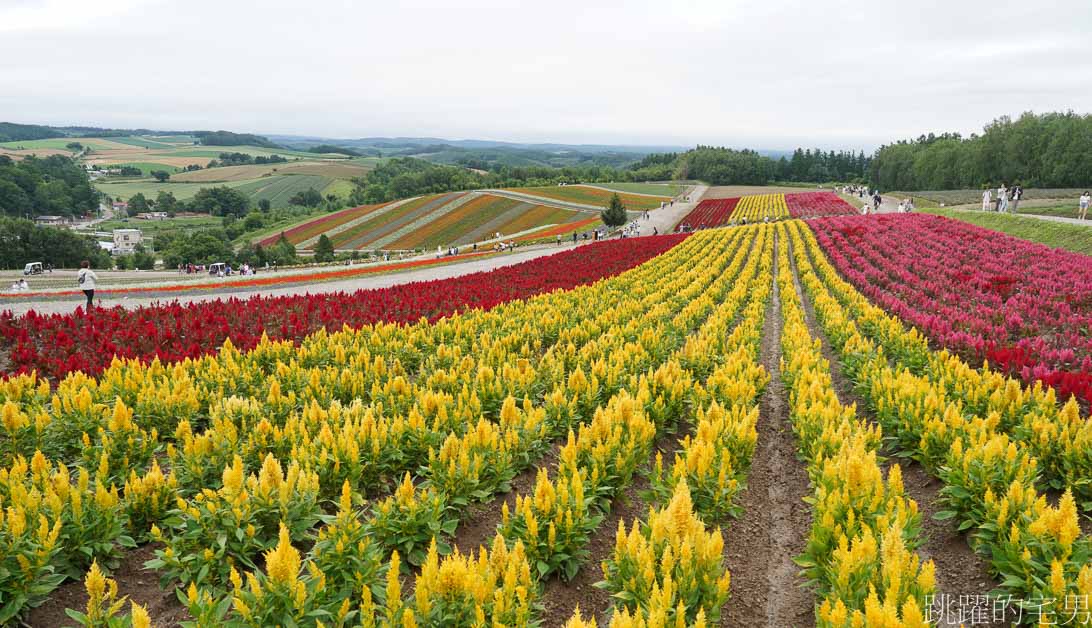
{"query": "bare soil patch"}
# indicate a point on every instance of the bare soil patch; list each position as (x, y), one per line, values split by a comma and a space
(140, 585)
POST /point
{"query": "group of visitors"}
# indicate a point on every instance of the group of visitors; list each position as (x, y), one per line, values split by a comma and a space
(20, 285)
(1006, 198)
(906, 206)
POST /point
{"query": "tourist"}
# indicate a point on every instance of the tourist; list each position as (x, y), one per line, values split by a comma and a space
(987, 199)
(23, 285)
(1084, 202)
(574, 237)
(86, 279)
(1002, 198)
(1017, 192)
(902, 207)
(559, 239)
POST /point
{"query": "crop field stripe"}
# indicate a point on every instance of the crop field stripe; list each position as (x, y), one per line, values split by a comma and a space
(391, 221)
(840, 451)
(347, 239)
(444, 230)
(1003, 508)
(424, 221)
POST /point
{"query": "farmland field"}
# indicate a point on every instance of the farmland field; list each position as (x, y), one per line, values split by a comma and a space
(656, 189)
(593, 196)
(696, 424)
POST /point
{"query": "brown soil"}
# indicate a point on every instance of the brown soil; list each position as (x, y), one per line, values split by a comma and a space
(480, 526)
(766, 586)
(140, 585)
(560, 598)
(959, 570)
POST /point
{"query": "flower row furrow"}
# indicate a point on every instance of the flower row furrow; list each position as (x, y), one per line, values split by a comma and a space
(860, 554)
(1037, 550)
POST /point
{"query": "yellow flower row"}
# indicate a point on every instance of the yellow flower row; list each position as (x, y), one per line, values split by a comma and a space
(989, 478)
(860, 551)
(760, 208)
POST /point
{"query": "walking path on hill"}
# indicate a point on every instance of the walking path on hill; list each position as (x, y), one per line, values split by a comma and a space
(664, 220)
(1061, 219)
(429, 273)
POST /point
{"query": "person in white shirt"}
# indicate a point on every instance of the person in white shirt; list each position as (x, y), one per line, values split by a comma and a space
(1002, 198)
(86, 279)
(1085, 201)
(987, 199)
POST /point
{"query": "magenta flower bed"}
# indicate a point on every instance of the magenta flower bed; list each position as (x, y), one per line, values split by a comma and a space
(1025, 307)
(814, 204)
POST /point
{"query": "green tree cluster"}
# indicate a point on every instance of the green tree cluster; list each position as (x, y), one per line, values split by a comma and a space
(53, 185)
(22, 241)
(1049, 150)
(615, 213)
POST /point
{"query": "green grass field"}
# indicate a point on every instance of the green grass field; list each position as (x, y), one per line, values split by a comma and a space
(146, 167)
(145, 142)
(1069, 210)
(256, 151)
(659, 189)
(154, 227)
(278, 189)
(1076, 238)
(592, 196)
(151, 188)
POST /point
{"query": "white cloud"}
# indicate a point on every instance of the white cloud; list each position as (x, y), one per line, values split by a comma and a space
(772, 74)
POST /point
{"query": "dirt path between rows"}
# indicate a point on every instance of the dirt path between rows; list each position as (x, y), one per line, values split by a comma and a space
(959, 570)
(766, 587)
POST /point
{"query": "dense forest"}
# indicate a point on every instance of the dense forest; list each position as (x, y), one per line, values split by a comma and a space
(22, 241)
(11, 132)
(54, 185)
(727, 166)
(227, 138)
(1052, 150)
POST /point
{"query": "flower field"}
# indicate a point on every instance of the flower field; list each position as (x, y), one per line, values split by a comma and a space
(318, 226)
(1024, 307)
(814, 204)
(57, 345)
(713, 212)
(575, 441)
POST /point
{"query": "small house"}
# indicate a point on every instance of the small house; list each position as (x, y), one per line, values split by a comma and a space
(50, 220)
(126, 240)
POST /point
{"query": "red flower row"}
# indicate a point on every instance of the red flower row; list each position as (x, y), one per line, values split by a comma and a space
(712, 212)
(56, 345)
(1025, 307)
(813, 204)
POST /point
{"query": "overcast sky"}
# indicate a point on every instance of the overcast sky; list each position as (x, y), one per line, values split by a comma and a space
(770, 74)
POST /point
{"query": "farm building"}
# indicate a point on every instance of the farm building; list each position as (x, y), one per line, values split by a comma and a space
(50, 220)
(126, 240)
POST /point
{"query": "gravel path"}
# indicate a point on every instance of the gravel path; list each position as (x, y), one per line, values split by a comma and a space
(69, 304)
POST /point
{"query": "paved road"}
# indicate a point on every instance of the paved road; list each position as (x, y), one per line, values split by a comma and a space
(68, 305)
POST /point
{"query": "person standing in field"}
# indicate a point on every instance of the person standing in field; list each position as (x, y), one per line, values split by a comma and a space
(86, 279)
(1017, 192)
(1002, 198)
(1084, 202)
(987, 199)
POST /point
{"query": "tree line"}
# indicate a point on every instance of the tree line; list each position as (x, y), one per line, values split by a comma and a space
(53, 185)
(1051, 150)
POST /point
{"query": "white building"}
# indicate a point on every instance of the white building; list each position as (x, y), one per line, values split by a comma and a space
(126, 240)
